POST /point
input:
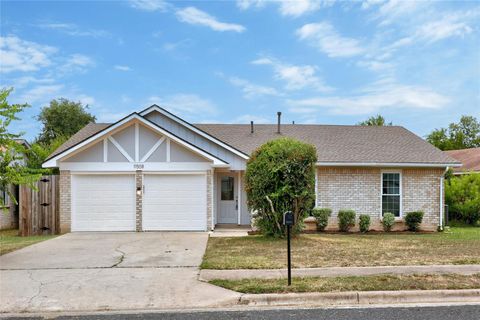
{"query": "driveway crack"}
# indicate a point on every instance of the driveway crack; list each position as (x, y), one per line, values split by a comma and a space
(120, 260)
(39, 291)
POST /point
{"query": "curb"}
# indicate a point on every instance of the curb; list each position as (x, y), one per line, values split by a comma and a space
(360, 297)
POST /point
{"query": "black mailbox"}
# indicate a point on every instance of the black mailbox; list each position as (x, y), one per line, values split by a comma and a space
(288, 218)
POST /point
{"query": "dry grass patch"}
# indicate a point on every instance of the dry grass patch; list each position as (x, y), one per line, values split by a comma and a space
(365, 283)
(10, 241)
(459, 246)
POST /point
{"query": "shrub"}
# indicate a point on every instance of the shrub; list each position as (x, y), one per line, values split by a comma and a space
(364, 223)
(322, 215)
(413, 220)
(462, 194)
(388, 221)
(280, 177)
(346, 220)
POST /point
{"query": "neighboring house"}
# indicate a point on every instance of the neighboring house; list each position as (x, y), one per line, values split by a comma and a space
(154, 171)
(470, 159)
(10, 212)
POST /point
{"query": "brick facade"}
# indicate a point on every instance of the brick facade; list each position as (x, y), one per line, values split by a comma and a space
(138, 200)
(360, 189)
(65, 201)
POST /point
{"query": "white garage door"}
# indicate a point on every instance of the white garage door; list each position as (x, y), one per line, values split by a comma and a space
(103, 203)
(175, 202)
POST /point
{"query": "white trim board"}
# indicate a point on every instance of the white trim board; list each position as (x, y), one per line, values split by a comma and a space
(53, 162)
(387, 164)
(194, 129)
(132, 167)
(400, 190)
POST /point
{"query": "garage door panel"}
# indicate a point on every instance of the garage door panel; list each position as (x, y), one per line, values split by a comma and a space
(175, 202)
(103, 203)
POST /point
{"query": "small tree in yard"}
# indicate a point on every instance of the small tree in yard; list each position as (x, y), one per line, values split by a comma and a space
(280, 177)
(12, 172)
(462, 194)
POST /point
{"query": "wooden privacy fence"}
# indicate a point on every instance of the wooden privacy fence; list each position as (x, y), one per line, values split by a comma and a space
(39, 212)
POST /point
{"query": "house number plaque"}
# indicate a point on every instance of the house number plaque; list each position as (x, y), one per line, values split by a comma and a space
(138, 166)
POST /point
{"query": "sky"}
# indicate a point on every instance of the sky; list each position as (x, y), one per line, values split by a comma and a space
(328, 62)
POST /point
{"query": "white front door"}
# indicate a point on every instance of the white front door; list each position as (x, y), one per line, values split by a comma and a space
(103, 202)
(175, 202)
(227, 198)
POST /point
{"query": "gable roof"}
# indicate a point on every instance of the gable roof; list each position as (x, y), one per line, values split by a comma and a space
(339, 144)
(72, 144)
(84, 133)
(470, 159)
(336, 144)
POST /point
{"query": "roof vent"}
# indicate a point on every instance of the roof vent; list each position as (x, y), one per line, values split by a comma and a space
(251, 126)
(279, 116)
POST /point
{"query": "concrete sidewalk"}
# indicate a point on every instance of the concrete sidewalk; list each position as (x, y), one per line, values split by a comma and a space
(207, 275)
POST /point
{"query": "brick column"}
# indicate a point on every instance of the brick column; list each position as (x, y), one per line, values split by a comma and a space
(209, 199)
(65, 201)
(138, 200)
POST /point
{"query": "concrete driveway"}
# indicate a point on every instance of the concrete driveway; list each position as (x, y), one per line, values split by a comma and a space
(109, 271)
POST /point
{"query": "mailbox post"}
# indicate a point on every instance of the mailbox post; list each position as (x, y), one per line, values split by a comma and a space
(289, 221)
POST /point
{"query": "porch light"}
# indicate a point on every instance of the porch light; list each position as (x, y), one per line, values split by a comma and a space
(139, 191)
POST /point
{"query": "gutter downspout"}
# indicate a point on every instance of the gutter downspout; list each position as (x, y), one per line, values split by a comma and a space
(442, 206)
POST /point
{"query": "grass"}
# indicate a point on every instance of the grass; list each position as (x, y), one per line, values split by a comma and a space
(459, 245)
(10, 241)
(364, 283)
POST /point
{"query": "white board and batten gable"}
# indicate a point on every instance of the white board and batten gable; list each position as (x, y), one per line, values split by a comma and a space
(135, 144)
(183, 129)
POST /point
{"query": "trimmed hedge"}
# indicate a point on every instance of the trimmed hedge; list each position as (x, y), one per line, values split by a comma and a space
(413, 220)
(364, 223)
(322, 215)
(346, 220)
(388, 221)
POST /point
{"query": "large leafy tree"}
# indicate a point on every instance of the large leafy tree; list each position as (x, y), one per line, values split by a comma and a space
(462, 135)
(62, 119)
(462, 194)
(377, 120)
(280, 177)
(12, 153)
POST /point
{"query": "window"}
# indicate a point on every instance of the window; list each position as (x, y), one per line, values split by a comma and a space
(391, 193)
(4, 198)
(227, 188)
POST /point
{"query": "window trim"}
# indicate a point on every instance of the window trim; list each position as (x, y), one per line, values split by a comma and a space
(7, 200)
(400, 217)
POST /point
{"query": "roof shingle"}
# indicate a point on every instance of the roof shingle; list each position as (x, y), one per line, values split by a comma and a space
(334, 143)
(470, 159)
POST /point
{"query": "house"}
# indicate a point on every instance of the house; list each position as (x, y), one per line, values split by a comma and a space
(155, 171)
(9, 213)
(470, 159)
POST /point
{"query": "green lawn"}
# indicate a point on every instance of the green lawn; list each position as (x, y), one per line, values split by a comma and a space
(459, 245)
(364, 283)
(10, 241)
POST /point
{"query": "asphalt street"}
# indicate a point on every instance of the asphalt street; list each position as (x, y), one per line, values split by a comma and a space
(466, 312)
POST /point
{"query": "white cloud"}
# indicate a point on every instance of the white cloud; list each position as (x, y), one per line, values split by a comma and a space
(41, 93)
(297, 8)
(251, 90)
(195, 16)
(149, 5)
(324, 37)
(296, 77)
(292, 8)
(247, 4)
(21, 55)
(76, 63)
(74, 30)
(372, 99)
(184, 103)
(447, 27)
(122, 68)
